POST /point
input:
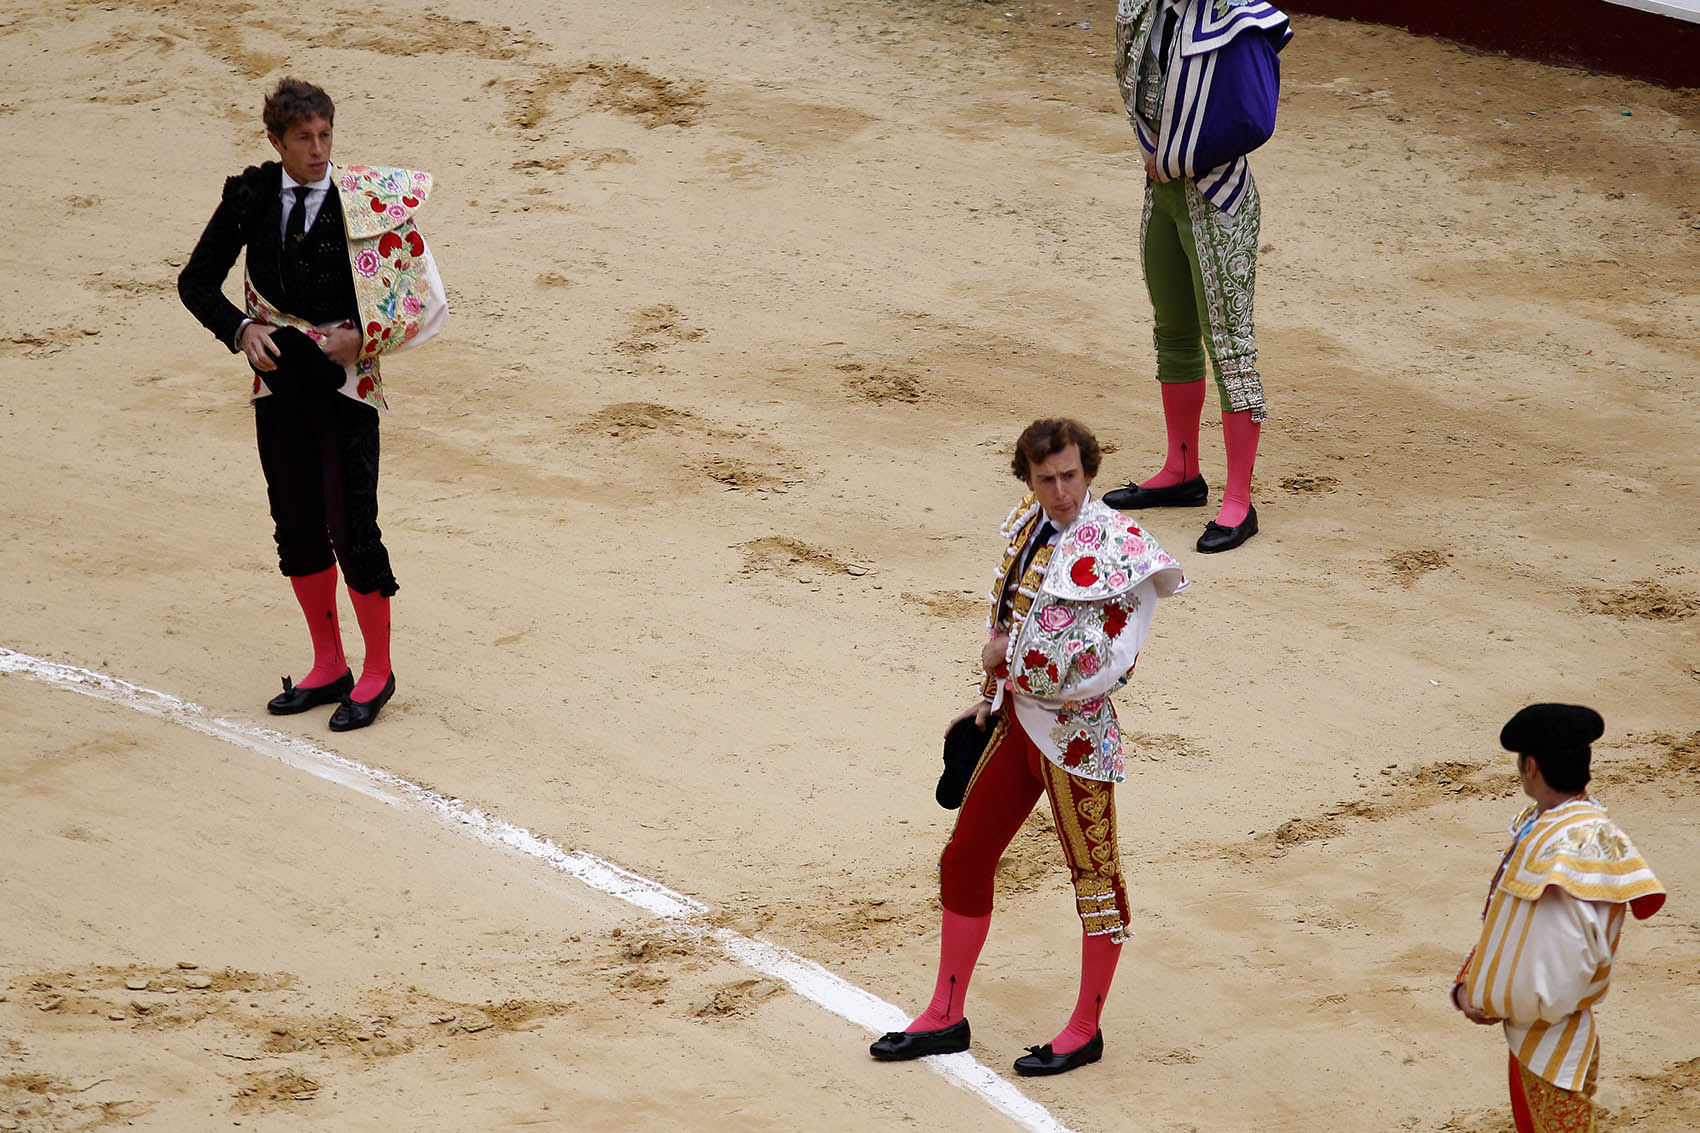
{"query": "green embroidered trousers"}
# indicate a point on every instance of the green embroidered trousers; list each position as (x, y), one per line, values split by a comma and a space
(1201, 269)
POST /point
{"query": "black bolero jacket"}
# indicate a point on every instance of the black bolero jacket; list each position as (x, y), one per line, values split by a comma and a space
(249, 215)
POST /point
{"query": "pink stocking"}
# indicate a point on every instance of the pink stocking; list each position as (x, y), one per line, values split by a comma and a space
(1098, 958)
(317, 595)
(1183, 402)
(1239, 436)
(372, 611)
(959, 947)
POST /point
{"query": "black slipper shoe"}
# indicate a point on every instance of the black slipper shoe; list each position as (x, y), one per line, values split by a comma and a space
(352, 714)
(1219, 538)
(1188, 493)
(1043, 1060)
(295, 699)
(900, 1046)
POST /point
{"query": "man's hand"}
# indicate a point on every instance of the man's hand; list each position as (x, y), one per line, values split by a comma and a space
(992, 653)
(256, 343)
(1473, 1014)
(979, 712)
(341, 345)
(1151, 169)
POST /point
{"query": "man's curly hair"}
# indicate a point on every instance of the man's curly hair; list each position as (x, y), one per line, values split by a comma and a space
(296, 101)
(1049, 436)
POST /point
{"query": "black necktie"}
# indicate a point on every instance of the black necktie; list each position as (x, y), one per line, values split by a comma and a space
(294, 234)
(296, 230)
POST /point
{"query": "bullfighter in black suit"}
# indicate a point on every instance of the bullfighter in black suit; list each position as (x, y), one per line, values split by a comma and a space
(336, 275)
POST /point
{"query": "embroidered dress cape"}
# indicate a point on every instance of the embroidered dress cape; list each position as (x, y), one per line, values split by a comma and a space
(1078, 617)
(399, 296)
(1191, 109)
(397, 289)
(1550, 931)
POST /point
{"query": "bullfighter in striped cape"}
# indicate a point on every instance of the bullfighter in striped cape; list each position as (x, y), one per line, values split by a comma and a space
(1554, 915)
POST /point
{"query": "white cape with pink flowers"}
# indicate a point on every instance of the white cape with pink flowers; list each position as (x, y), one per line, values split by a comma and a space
(1082, 637)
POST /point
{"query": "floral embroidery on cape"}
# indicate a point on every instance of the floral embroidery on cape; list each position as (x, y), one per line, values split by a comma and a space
(1084, 630)
(396, 288)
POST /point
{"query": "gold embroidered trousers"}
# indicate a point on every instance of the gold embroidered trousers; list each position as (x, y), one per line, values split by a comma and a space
(1007, 783)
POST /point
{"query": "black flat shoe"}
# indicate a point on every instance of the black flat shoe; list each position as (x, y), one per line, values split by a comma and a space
(352, 714)
(1042, 1060)
(900, 1046)
(1188, 493)
(1219, 538)
(295, 699)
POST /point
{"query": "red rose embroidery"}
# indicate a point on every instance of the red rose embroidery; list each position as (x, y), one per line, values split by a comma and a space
(415, 243)
(1084, 572)
(1021, 682)
(1077, 750)
(388, 244)
(378, 206)
(1051, 671)
(1033, 660)
(364, 388)
(1115, 619)
(410, 202)
(374, 327)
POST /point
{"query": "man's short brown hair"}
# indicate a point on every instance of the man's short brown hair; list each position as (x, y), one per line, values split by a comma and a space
(296, 101)
(1047, 437)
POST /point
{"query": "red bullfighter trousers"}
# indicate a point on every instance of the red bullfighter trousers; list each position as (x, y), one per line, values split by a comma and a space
(1005, 786)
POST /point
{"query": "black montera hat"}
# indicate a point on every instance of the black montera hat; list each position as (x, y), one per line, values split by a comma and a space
(963, 746)
(1545, 728)
(302, 367)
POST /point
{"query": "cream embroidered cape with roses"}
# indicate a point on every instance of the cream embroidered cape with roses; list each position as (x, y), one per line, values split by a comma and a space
(397, 290)
(1079, 642)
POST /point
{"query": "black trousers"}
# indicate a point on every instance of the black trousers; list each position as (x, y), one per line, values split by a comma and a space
(319, 453)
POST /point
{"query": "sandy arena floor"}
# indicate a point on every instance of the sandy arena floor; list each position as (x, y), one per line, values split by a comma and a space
(693, 505)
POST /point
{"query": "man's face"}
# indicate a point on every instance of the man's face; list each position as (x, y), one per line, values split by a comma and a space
(1060, 483)
(1526, 769)
(305, 149)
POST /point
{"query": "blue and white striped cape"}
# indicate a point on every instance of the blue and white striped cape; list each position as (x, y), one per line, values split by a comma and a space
(1219, 95)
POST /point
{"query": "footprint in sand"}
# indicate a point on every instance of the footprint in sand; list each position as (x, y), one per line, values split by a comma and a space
(1309, 482)
(880, 384)
(1409, 566)
(1648, 599)
(948, 604)
(618, 87)
(737, 475)
(656, 328)
(794, 559)
(737, 998)
(628, 420)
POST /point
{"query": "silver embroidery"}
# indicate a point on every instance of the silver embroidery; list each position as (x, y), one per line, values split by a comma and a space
(1227, 268)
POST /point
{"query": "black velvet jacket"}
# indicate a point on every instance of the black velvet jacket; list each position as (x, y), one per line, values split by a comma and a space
(250, 215)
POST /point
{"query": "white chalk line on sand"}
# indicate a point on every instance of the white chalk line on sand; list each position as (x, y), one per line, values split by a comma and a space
(805, 977)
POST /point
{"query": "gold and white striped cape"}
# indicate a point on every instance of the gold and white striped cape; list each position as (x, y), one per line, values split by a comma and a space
(1579, 850)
